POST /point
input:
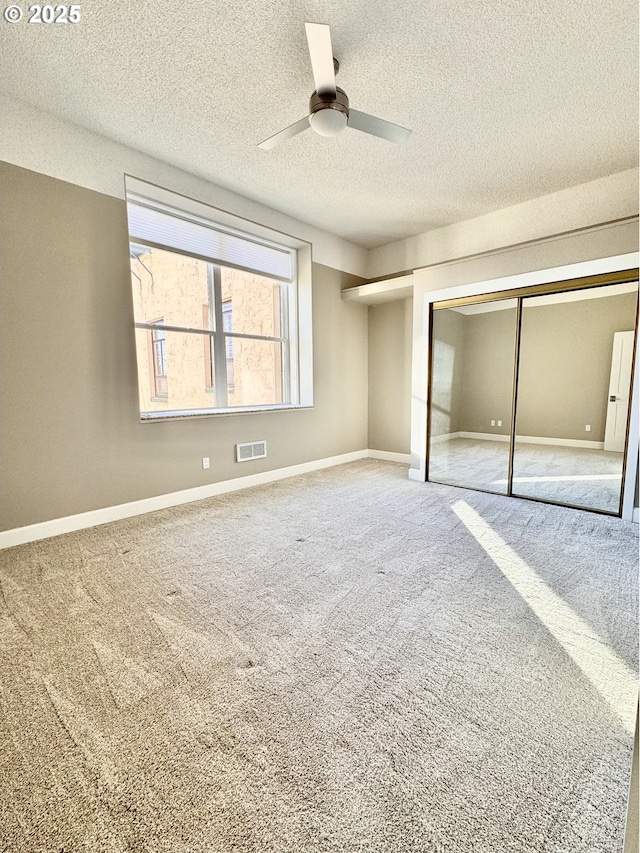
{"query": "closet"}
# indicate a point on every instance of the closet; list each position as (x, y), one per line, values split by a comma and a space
(529, 391)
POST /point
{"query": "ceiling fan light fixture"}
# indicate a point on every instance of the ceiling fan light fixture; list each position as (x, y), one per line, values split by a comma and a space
(329, 111)
(328, 121)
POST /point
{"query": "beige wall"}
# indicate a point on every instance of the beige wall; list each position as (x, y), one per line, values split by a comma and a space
(72, 439)
(390, 326)
(565, 363)
(487, 386)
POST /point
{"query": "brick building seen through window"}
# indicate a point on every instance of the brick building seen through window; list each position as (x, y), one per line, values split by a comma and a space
(177, 364)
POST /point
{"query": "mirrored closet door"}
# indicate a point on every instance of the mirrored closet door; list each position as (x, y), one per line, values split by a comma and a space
(574, 385)
(472, 369)
(529, 392)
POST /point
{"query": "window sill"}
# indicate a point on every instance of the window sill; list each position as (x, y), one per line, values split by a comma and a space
(164, 417)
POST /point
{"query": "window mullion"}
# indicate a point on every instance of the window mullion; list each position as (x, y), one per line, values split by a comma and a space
(214, 282)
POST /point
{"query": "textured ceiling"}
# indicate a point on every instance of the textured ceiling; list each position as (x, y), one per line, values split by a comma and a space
(507, 99)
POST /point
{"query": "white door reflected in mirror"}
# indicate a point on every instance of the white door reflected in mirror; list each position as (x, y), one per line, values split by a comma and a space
(619, 389)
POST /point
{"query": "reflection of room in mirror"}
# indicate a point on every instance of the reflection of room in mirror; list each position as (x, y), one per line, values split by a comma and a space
(471, 394)
(573, 388)
(567, 346)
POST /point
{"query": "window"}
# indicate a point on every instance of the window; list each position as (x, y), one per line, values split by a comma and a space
(232, 309)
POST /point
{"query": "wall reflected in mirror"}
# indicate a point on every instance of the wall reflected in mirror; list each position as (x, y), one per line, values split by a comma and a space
(471, 394)
(574, 383)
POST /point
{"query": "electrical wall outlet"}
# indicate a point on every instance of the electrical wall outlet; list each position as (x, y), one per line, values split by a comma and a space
(499, 423)
(587, 427)
(493, 423)
(205, 462)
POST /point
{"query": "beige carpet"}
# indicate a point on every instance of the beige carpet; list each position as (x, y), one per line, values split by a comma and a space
(575, 476)
(346, 661)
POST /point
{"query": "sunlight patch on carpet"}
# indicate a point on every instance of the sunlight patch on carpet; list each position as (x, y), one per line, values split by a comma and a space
(611, 677)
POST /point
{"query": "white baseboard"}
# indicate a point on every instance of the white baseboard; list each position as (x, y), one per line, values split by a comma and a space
(46, 529)
(483, 436)
(389, 456)
(560, 442)
(524, 439)
(83, 520)
(636, 514)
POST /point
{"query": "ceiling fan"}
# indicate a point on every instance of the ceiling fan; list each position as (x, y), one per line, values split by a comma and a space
(329, 111)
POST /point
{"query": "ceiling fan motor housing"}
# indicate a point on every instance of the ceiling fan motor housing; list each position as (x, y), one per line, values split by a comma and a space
(328, 102)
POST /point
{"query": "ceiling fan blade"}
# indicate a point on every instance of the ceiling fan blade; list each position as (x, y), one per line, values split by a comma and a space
(285, 134)
(377, 126)
(321, 53)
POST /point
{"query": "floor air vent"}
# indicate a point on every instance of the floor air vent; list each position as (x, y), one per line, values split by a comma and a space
(251, 450)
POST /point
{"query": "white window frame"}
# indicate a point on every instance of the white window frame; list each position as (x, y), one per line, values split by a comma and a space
(296, 298)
